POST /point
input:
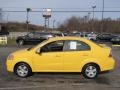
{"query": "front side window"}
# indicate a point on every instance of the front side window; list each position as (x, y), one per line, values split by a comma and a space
(73, 45)
(55, 46)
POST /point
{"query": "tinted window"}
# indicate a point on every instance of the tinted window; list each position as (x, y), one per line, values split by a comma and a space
(76, 46)
(31, 35)
(37, 35)
(53, 47)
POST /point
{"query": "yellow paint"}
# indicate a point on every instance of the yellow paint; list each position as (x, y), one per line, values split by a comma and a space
(67, 61)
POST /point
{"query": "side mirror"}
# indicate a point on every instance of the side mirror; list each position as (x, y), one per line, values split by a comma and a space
(38, 51)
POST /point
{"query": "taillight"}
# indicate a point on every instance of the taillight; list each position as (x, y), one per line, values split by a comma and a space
(110, 55)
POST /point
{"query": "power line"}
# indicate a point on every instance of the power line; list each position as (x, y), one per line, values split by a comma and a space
(55, 8)
(61, 11)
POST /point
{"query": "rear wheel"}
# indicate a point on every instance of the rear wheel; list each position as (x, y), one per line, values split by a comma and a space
(22, 70)
(90, 71)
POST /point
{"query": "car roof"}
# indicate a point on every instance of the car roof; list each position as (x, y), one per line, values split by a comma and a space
(67, 38)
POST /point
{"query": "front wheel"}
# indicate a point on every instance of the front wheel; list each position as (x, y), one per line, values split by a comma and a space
(20, 42)
(22, 70)
(90, 71)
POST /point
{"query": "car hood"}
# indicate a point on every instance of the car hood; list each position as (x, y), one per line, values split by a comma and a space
(19, 52)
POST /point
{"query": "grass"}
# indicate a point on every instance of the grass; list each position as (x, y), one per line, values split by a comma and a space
(10, 41)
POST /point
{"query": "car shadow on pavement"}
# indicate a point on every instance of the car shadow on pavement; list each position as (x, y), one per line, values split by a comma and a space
(103, 80)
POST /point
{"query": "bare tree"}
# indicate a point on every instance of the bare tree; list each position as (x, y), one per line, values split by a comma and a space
(84, 24)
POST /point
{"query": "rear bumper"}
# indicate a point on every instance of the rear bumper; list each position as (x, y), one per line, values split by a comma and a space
(108, 65)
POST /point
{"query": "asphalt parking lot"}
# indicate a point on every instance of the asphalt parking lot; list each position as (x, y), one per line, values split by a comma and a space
(53, 81)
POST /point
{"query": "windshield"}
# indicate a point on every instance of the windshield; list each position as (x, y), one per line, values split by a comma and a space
(32, 47)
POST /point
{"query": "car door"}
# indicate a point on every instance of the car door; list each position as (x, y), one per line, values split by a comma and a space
(37, 38)
(74, 53)
(29, 38)
(50, 58)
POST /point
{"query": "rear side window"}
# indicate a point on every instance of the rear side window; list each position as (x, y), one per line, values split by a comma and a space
(31, 35)
(73, 45)
(37, 35)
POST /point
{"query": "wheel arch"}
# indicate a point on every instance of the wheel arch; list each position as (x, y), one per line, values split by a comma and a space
(24, 63)
(17, 40)
(93, 63)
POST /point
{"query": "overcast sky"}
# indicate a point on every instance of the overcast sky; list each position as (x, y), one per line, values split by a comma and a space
(37, 18)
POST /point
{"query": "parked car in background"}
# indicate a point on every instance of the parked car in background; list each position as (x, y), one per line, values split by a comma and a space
(116, 40)
(104, 37)
(62, 54)
(3, 30)
(33, 38)
(58, 34)
(90, 36)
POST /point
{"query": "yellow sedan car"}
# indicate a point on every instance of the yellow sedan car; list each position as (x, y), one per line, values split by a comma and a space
(62, 54)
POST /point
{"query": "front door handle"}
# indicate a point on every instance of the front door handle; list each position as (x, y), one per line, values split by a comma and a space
(85, 55)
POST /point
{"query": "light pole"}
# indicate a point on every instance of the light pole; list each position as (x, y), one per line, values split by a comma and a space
(27, 18)
(89, 16)
(93, 10)
(103, 10)
(7, 17)
(89, 21)
(102, 25)
(93, 17)
(7, 20)
(47, 14)
(53, 24)
(1, 15)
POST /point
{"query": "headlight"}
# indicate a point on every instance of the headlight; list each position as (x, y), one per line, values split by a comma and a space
(10, 57)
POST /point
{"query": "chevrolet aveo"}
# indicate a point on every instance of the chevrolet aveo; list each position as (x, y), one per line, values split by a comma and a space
(62, 54)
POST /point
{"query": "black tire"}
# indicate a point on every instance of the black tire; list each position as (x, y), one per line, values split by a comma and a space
(98, 40)
(119, 43)
(21, 42)
(22, 70)
(113, 43)
(90, 73)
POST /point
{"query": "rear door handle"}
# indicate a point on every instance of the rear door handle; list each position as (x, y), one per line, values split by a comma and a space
(57, 56)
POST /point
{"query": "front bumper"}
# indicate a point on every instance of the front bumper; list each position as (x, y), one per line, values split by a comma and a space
(10, 65)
